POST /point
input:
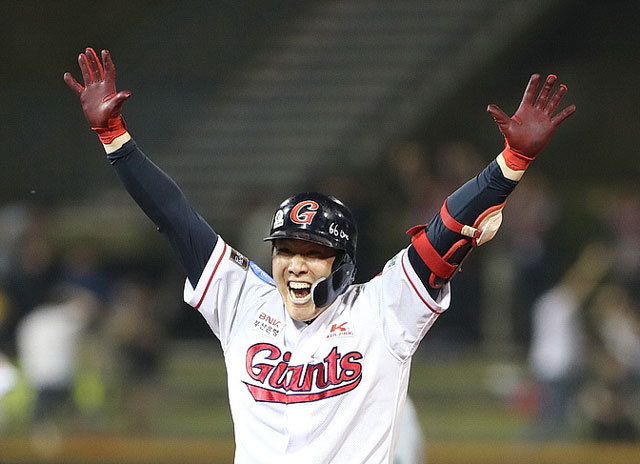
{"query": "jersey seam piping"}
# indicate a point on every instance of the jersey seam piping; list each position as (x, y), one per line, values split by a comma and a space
(213, 273)
(415, 289)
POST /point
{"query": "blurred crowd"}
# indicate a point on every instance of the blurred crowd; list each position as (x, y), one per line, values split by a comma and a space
(562, 297)
(69, 321)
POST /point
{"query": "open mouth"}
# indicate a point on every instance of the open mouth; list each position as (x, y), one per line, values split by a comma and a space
(299, 292)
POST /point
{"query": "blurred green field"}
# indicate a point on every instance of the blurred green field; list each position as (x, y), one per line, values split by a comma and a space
(466, 418)
(126, 450)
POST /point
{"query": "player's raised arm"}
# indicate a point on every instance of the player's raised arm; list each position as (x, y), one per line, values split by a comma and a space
(156, 193)
(472, 215)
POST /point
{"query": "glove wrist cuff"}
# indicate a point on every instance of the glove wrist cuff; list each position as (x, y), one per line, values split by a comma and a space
(115, 128)
(514, 160)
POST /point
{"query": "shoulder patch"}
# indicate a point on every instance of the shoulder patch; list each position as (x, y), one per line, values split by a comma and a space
(392, 262)
(239, 259)
(261, 274)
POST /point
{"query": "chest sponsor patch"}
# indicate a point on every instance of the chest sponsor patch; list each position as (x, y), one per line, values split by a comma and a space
(339, 330)
(267, 324)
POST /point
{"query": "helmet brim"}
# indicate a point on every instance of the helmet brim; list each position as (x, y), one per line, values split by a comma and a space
(301, 235)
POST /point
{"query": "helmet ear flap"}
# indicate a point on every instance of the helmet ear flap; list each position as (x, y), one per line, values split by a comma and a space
(325, 290)
(320, 292)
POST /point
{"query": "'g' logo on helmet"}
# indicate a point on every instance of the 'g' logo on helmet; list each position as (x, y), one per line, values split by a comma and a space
(303, 212)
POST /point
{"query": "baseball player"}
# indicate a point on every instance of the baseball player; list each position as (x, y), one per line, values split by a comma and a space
(317, 366)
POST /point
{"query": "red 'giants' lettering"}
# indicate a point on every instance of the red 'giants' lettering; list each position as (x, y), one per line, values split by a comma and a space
(286, 383)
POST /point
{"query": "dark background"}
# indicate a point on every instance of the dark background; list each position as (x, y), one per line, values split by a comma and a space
(593, 46)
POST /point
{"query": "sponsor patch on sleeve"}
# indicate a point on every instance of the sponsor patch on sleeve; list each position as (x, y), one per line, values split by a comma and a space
(392, 262)
(239, 259)
(261, 274)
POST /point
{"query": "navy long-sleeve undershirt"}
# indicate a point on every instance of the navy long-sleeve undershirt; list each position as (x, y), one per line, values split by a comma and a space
(164, 203)
(193, 240)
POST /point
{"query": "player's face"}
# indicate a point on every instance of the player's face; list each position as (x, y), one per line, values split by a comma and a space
(296, 265)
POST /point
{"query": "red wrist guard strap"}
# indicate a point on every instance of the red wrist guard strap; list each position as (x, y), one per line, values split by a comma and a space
(452, 224)
(115, 128)
(436, 263)
(514, 160)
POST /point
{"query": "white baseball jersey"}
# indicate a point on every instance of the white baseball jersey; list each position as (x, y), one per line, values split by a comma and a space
(331, 391)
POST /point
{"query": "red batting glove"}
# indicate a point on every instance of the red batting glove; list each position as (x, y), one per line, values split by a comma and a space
(529, 130)
(100, 102)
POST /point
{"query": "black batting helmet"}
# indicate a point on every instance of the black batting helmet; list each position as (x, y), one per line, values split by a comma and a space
(322, 219)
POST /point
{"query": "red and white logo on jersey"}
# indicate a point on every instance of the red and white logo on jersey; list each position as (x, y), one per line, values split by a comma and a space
(341, 329)
(303, 212)
(281, 382)
(267, 324)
